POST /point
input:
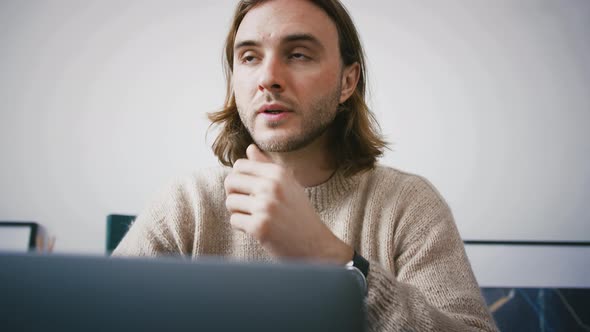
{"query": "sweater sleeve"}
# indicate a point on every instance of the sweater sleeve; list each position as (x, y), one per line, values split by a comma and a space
(431, 286)
(162, 228)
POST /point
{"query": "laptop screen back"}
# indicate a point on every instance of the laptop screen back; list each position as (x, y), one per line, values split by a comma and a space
(74, 293)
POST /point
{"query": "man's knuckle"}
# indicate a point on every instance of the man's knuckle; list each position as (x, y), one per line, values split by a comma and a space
(228, 181)
(239, 163)
(233, 220)
(229, 202)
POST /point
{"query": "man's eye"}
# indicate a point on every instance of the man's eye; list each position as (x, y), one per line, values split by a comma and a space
(248, 59)
(298, 56)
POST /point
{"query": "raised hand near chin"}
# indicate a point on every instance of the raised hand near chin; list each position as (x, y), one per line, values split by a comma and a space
(267, 202)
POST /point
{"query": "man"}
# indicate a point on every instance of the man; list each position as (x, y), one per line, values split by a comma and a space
(303, 181)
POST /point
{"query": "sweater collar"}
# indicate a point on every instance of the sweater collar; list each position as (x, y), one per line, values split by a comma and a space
(325, 194)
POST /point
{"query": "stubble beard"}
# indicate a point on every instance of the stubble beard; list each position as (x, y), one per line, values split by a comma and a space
(314, 124)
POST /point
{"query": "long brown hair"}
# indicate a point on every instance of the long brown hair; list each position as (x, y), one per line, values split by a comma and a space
(356, 142)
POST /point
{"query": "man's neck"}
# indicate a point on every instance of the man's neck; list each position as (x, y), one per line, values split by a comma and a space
(312, 165)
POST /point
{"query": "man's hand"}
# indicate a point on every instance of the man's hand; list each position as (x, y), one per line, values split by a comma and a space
(266, 202)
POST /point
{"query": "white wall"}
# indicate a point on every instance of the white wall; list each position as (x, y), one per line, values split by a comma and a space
(102, 102)
(490, 100)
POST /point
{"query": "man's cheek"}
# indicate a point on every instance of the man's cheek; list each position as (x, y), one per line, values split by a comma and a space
(244, 99)
(241, 104)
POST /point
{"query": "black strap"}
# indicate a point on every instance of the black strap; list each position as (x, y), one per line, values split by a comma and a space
(361, 263)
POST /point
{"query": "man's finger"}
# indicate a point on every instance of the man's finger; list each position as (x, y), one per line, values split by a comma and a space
(254, 153)
(257, 168)
(239, 221)
(240, 203)
(242, 183)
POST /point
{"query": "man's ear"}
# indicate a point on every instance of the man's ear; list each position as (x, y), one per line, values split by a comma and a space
(350, 78)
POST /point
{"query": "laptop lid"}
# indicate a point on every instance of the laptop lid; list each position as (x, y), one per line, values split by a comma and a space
(77, 293)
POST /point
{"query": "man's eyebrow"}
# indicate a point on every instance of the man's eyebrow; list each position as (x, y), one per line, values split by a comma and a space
(245, 43)
(303, 37)
(287, 39)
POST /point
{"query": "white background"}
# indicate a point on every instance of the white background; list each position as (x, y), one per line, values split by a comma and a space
(14, 238)
(103, 102)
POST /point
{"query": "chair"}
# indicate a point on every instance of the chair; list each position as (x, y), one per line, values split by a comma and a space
(117, 227)
(19, 236)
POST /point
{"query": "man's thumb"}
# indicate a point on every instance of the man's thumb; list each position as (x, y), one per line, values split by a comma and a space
(254, 153)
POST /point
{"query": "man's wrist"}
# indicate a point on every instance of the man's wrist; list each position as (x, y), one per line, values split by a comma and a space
(345, 254)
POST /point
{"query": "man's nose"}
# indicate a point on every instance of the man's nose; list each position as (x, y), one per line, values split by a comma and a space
(272, 75)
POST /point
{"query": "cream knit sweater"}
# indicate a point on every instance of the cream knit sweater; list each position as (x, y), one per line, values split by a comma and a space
(419, 279)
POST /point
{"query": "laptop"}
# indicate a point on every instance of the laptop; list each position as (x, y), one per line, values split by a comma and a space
(84, 293)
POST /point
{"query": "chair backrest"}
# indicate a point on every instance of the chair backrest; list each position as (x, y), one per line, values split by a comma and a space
(117, 227)
(19, 236)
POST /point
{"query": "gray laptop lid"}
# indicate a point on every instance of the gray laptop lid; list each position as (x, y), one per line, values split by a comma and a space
(76, 293)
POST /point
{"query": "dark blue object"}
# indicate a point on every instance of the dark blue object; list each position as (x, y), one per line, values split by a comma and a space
(117, 227)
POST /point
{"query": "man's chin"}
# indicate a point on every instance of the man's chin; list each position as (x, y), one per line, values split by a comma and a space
(282, 144)
(274, 146)
(288, 141)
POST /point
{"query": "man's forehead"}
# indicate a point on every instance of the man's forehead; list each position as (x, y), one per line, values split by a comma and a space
(277, 20)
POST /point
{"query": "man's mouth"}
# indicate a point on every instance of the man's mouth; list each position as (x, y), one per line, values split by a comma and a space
(273, 109)
(274, 113)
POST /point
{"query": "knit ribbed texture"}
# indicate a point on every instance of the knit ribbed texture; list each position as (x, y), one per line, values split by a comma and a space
(419, 279)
